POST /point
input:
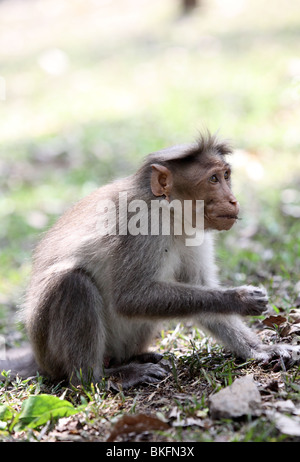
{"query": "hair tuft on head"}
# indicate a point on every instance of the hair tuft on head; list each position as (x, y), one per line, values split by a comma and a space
(207, 142)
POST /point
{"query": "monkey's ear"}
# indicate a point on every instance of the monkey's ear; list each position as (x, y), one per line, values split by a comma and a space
(161, 181)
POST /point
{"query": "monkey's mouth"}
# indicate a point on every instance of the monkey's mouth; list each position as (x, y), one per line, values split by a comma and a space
(228, 217)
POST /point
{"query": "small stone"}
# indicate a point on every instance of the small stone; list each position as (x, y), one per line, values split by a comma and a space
(239, 399)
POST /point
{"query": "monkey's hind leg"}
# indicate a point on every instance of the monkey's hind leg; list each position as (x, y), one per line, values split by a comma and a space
(67, 330)
(142, 369)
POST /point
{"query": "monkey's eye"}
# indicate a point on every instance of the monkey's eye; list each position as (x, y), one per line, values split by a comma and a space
(213, 179)
(226, 175)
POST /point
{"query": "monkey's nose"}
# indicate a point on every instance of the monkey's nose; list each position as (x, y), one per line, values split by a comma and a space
(235, 204)
(234, 201)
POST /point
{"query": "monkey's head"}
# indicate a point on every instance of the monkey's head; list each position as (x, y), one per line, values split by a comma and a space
(198, 172)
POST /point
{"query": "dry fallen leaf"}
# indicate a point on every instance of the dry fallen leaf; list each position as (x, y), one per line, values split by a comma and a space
(271, 320)
(272, 386)
(290, 329)
(136, 424)
(294, 314)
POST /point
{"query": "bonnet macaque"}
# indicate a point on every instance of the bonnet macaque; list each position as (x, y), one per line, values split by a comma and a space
(106, 275)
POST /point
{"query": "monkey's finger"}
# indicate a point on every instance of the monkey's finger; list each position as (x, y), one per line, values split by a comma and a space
(263, 305)
(258, 308)
(260, 295)
(155, 370)
(262, 301)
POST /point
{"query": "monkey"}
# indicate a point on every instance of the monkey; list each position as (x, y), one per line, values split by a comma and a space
(96, 297)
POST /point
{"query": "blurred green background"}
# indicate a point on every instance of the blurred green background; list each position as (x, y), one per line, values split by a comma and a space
(89, 87)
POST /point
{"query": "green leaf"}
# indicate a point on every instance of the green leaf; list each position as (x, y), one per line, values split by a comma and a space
(37, 410)
(3, 425)
(5, 413)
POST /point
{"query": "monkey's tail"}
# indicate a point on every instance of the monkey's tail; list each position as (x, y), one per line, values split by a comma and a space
(20, 363)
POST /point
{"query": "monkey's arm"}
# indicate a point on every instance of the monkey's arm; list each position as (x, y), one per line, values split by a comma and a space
(172, 299)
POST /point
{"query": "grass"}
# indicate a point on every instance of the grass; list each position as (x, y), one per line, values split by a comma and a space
(83, 107)
(182, 397)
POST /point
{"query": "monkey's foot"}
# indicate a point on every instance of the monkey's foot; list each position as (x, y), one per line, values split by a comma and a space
(134, 374)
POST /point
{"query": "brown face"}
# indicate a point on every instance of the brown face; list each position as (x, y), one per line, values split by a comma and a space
(208, 180)
(221, 208)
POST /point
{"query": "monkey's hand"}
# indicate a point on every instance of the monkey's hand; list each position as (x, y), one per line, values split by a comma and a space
(277, 355)
(251, 300)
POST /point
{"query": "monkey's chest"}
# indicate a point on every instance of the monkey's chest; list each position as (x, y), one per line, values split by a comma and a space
(180, 265)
